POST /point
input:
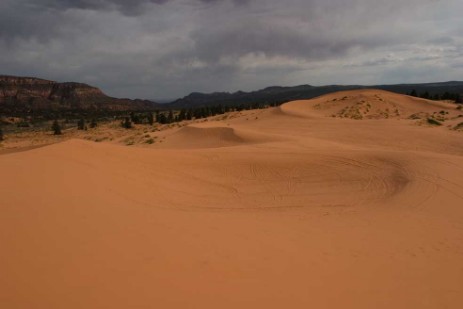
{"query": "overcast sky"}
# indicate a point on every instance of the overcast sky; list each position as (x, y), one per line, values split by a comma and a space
(168, 48)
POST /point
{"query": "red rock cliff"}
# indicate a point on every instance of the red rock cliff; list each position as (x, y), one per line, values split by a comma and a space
(27, 93)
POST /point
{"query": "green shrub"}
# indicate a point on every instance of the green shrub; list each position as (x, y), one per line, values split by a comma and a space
(433, 122)
(459, 126)
(23, 124)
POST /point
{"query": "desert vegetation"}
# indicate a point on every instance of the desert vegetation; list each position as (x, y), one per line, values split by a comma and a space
(446, 96)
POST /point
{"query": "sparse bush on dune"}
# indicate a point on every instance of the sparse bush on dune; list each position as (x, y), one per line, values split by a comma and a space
(459, 126)
(420, 115)
(433, 122)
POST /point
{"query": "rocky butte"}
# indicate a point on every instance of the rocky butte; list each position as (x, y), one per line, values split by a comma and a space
(33, 94)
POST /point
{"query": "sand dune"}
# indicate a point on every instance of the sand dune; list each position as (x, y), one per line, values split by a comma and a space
(287, 207)
(213, 135)
(368, 104)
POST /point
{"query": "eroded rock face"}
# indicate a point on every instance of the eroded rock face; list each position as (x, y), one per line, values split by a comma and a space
(27, 93)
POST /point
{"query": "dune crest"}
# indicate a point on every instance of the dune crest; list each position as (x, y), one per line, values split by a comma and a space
(214, 136)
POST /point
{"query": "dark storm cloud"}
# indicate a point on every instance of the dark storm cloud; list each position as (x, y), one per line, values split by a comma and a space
(272, 40)
(239, 2)
(167, 48)
(123, 5)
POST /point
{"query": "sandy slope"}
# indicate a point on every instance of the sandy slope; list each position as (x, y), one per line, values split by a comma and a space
(280, 208)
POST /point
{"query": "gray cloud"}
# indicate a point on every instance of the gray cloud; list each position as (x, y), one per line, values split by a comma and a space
(167, 48)
(121, 5)
(128, 7)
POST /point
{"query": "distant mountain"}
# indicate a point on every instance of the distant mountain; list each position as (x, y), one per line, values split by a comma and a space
(278, 94)
(34, 94)
(19, 94)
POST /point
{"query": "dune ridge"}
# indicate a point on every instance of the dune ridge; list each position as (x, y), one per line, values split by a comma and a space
(213, 135)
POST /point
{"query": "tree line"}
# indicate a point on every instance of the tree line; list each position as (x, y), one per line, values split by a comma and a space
(456, 97)
(173, 116)
(86, 120)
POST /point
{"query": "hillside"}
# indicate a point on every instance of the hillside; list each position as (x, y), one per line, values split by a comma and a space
(278, 95)
(34, 94)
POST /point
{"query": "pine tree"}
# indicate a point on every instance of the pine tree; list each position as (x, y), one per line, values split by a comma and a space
(56, 128)
(425, 95)
(93, 123)
(81, 124)
(150, 119)
(413, 93)
(189, 115)
(127, 123)
(162, 118)
(170, 117)
(1, 135)
(135, 118)
(182, 115)
(458, 99)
